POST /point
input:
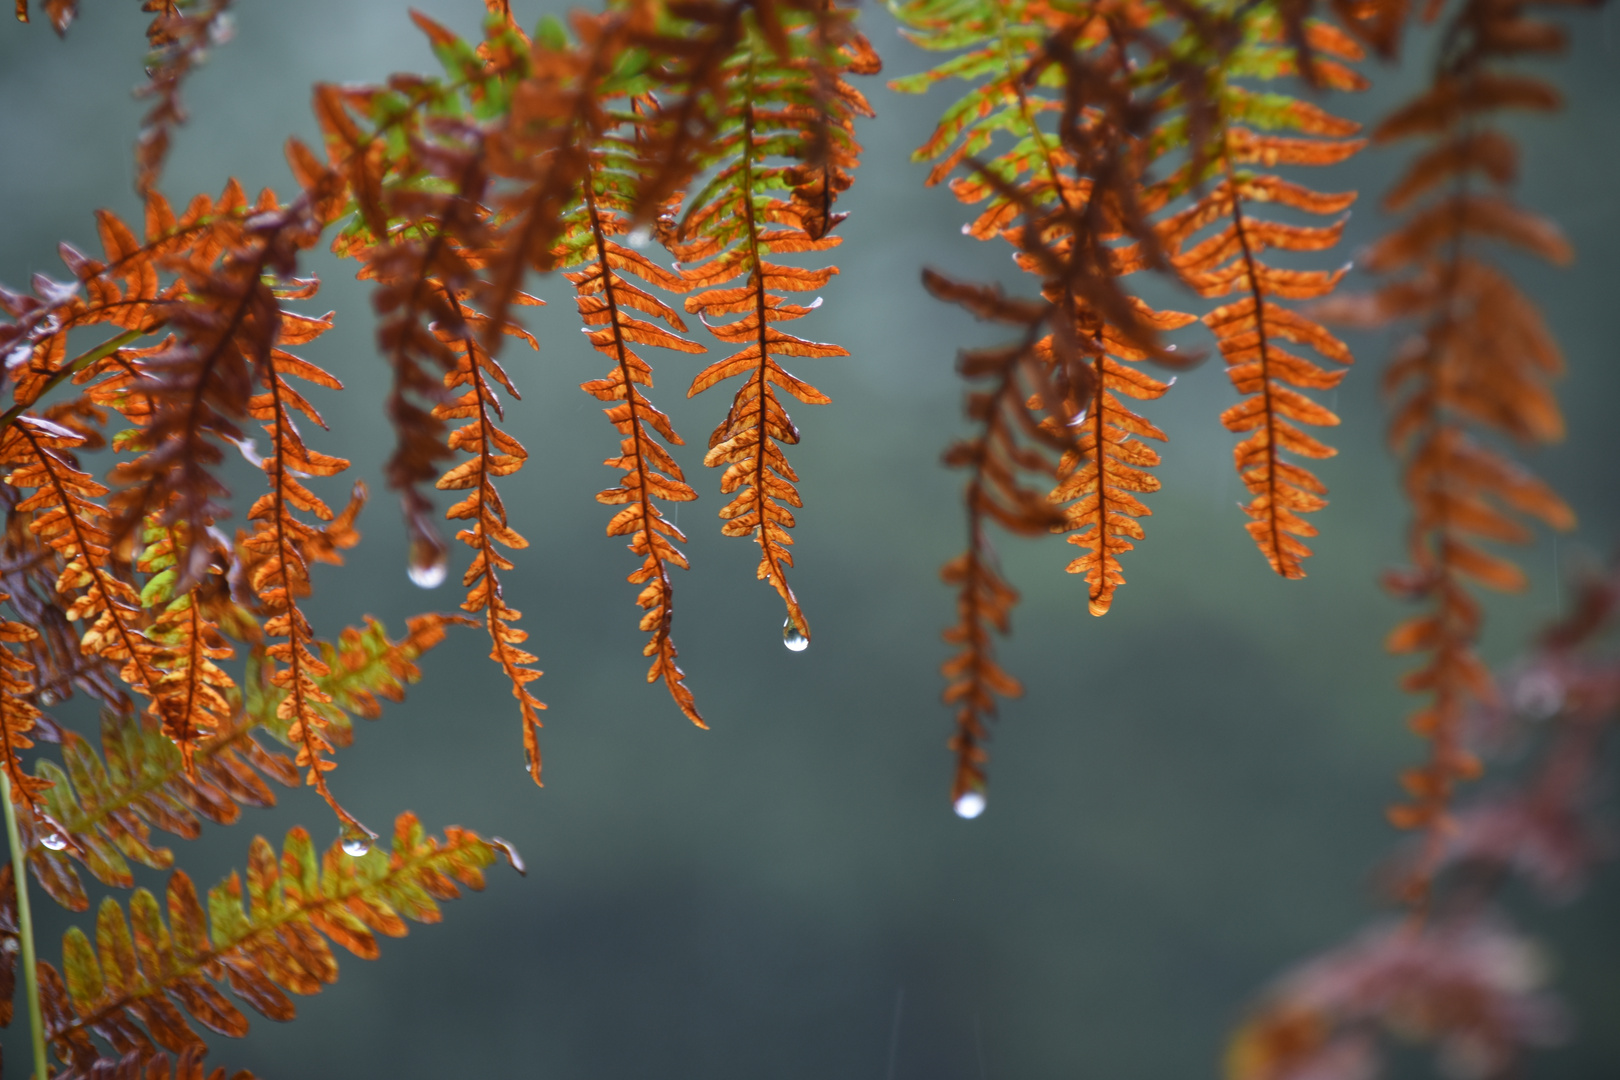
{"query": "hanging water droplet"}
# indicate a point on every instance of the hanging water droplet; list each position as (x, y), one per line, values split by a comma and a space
(356, 844)
(639, 237)
(53, 840)
(969, 805)
(792, 638)
(427, 566)
(47, 698)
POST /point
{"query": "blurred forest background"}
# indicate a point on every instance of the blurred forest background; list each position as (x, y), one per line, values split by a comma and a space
(1188, 799)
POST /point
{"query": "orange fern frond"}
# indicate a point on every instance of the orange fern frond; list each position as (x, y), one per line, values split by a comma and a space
(605, 296)
(727, 230)
(282, 546)
(1102, 474)
(1250, 330)
(1480, 362)
(494, 453)
(66, 517)
(17, 712)
(178, 39)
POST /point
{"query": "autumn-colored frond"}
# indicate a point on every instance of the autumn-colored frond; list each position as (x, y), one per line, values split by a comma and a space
(493, 453)
(17, 712)
(121, 986)
(148, 1065)
(1102, 475)
(178, 39)
(727, 232)
(1479, 364)
(1251, 330)
(1008, 444)
(66, 516)
(283, 544)
(605, 299)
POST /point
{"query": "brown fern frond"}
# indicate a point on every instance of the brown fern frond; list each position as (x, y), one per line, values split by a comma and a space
(494, 453)
(1227, 260)
(178, 39)
(1480, 363)
(17, 712)
(121, 986)
(144, 1065)
(605, 297)
(283, 545)
(727, 230)
(1009, 443)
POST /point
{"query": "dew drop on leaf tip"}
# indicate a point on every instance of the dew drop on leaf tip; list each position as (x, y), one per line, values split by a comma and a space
(356, 845)
(969, 805)
(792, 638)
(53, 840)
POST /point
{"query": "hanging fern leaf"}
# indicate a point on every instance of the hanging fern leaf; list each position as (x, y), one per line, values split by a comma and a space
(18, 713)
(1480, 361)
(725, 235)
(605, 299)
(125, 987)
(1250, 330)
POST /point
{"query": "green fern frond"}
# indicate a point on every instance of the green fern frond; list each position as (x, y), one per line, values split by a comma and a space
(120, 986)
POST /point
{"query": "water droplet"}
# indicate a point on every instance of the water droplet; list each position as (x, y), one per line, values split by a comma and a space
(639, 237)
(792, 638)
(356, 844)
(53, 840)
(47, 698)
(969, 805)
(428, 573)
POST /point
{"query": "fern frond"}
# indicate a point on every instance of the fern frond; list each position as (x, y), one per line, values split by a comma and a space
(121, 986)
(17, 712)
(605, 296)
(1101, 476)
(178, 39)
(1480, 363)
(1008, 444)
(66, 517)
(725, 235)
(1227, 260)
(141, 1065)
(494, 453)
(100, 810)
(283, 544)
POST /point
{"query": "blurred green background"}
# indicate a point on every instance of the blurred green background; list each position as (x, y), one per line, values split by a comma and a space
(1188, 799)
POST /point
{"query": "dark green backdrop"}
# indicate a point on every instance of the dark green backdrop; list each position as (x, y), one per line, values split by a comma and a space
(1189, 798)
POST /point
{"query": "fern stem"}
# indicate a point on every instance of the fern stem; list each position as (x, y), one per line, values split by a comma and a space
(25, 931)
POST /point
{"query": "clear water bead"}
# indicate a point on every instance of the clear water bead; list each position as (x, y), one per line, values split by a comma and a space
(356, 846)
(428, 575)
(969, 805)
(639, 237)
(795, 641)
(54, 840)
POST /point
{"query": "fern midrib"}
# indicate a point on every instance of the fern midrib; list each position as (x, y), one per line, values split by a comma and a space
(196, 966)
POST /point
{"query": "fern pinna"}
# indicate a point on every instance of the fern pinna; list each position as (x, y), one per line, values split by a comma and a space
(1227, 260)
(775, 97)
(1480, 361)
